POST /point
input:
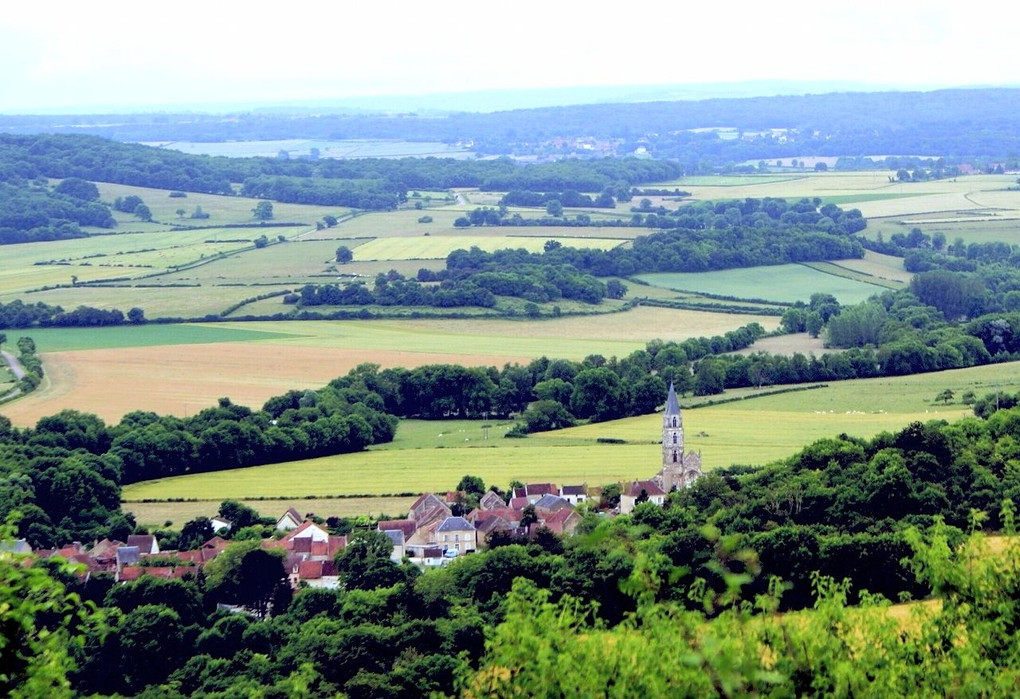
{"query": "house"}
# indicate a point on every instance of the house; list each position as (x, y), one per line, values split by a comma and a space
(289, 520)
(146, 543)
(406, 527)
(15, 546)
(321, 574)
(490, 501)
(458, 534)
(534, 491)
(425, 508)
(574, 494)
(127, 556)
(131, 573)
(220, 524)
(547, 504)
(562, 521)
(641, 491)
(396, 537)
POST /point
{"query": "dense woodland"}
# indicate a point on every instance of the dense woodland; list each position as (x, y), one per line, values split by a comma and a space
(371, 183)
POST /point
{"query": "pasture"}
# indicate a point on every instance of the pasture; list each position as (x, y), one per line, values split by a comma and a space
(781, 283)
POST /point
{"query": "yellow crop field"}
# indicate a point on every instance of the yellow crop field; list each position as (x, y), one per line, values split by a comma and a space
(878, 265)
(182, 379)
(155, 514)
(416, 471)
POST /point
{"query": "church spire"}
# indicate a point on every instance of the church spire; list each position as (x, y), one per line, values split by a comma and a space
(672, 406)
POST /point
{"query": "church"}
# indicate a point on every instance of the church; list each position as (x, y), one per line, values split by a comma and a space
(679, 468)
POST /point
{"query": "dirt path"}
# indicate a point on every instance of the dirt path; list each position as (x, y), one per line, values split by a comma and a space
(14, 364)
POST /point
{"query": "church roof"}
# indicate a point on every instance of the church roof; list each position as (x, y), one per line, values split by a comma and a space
(672, 407)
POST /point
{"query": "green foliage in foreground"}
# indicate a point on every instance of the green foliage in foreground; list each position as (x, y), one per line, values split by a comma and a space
(965, 647)
(41, 628)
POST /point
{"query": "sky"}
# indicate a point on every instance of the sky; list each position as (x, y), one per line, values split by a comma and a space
(76, 56)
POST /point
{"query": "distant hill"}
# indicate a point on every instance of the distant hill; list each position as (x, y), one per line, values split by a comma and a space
(960, 123)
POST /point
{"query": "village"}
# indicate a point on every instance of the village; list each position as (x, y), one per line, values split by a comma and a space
(436, 530)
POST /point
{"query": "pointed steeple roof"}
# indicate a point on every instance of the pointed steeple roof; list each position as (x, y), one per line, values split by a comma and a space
(672, 406)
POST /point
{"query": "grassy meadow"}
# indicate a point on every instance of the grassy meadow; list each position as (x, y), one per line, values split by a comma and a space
(782, 283)
(433, 455)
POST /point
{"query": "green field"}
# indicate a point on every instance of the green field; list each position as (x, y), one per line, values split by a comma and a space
(64, 339)
(784, 283)
(434, 455)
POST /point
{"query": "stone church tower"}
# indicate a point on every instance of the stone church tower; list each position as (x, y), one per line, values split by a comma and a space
(679, 468)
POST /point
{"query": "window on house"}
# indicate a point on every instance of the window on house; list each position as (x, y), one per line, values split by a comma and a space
(674, 457)
(674, 438)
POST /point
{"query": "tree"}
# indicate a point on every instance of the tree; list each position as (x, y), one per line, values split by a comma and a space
(615, 289)
(545, 415)
(709, 377)
(365, 564)
(263, 211)
(198, 213)
(39, 620)
(195, 533)
(945, 396)
(813, 323)
(472, 485)
(329, 220)
(598, 394)
(180, 212)
(248, 575)
(344, 254)
(136, 315)
(142, 212)
(553, 207)
(78, 188)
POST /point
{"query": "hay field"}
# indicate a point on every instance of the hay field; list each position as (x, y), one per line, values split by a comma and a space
(416, 471)
(878, 265)
(785, 283)
(91, 370)
(181, 380)
(155, 514)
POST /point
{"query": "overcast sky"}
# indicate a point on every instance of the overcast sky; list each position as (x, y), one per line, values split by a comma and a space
(80, 55)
